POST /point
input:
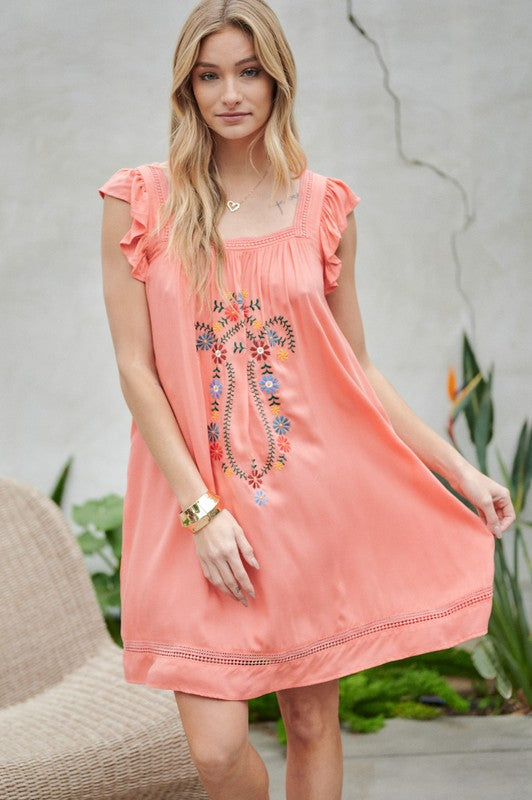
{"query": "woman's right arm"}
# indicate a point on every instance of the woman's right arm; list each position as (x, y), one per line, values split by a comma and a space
(217, 544)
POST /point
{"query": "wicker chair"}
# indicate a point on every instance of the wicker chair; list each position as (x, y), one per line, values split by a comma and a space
(71, 727)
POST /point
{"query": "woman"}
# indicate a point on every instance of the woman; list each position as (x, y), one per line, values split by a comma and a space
(282, 526)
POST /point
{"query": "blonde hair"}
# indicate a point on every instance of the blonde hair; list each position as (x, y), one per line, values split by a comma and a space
(196, 197)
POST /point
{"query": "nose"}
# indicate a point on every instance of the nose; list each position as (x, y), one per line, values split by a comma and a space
(230, 94)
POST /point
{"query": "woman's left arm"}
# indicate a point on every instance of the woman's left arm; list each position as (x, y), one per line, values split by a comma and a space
(491, 499)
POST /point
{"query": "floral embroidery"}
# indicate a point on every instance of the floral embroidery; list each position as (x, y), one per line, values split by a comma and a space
(236, 333)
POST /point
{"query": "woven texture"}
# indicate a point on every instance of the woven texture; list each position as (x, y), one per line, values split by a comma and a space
(71, 728)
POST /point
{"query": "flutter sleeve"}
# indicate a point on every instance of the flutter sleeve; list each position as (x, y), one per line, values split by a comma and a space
(338, 202)
(129, 185)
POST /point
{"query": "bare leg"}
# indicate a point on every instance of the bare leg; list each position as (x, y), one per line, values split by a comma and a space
(217, 732)
(314, 759)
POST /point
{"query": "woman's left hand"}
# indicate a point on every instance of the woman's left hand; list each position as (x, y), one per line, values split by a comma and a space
(491, 499)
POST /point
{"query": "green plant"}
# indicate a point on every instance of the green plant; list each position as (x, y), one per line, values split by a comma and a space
(58, 490)
(505, 652)
(101, 534)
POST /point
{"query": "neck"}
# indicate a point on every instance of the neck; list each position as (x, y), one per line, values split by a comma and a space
(233, 161)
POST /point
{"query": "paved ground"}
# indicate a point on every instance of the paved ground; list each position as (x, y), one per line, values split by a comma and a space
(451, 758)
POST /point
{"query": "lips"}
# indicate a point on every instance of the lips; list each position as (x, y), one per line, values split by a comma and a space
(233, 117)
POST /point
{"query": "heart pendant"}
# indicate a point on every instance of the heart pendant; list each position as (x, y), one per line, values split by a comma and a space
(232, 206)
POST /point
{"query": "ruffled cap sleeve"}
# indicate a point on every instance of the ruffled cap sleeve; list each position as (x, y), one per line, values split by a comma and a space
(338, 202)
(129, 185)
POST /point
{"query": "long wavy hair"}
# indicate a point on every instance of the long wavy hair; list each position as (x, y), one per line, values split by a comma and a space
(196, 198)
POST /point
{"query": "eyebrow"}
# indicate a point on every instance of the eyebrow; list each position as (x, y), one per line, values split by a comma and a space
(238, 63)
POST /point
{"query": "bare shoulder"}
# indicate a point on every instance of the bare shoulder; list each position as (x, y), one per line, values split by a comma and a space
(116, 221)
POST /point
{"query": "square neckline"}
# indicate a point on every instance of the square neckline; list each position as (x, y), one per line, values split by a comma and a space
(295, 227)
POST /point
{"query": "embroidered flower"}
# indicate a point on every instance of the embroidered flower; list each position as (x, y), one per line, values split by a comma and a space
(218, 327)
(261, 498)
(205, 341)
(282, 355)
(284, 444)
(269, 383)
(219, 353)
(260, 350)
(272, 336)
(216, 387)
(214, 414)
(214, 431)
(229, 471)
(256, 324)
(281, 424)
(275, 409)
(246, 310)
(254, 478)
(231, 312)
(278, 465)
(216, 450)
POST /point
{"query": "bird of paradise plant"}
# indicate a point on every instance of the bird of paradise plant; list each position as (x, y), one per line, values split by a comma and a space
(505, 652)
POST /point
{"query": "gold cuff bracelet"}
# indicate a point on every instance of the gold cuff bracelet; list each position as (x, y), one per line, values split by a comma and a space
(197, 515)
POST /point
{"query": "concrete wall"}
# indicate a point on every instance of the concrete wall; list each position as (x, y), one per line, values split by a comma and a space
(85, 92)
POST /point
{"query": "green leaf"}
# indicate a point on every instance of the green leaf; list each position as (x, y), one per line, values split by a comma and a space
(59, 488)
(103, 514)
(411, 709)
(114, 537)
(483, 661)
(488, 664)
(504, 469)
(522, 467)
(483, 427)
(504, 687)
(265, 707)
(470, 369)
(281, 731)
(107, 589)
(90, 543)
(469, 361)
(466, 395)
(365, 724)
(451, 661)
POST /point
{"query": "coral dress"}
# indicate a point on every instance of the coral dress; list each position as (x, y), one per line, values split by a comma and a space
(365, 557)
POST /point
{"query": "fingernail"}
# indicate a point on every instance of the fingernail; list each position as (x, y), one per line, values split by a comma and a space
(497, 531)
(252, 594)
(255, 563)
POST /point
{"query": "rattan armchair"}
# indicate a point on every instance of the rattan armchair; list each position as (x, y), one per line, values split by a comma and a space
(71, 728)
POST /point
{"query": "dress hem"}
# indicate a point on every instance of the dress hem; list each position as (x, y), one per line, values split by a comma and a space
(409, 636)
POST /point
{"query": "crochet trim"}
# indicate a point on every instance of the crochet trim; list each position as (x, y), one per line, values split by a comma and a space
(264, 659)
(298, 227)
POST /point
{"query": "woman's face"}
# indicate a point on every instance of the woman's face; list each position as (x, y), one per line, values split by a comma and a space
(234, 94)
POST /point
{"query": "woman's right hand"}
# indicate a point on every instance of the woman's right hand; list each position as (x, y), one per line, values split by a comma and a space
(217, 545)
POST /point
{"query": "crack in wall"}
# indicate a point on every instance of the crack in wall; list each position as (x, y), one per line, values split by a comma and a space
(468, 213)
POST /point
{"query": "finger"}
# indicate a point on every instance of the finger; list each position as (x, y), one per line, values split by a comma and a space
(505, 511)
(487, 509)
(218, 580)
(237, 568)
(246, 550)
(232, 584)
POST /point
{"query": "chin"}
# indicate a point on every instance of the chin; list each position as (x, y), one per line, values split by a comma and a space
(235, 135)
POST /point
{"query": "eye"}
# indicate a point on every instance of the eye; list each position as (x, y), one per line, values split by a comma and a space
(207, 76)
(251, 72)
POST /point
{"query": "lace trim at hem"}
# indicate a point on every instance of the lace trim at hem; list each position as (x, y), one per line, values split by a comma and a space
(261, 659)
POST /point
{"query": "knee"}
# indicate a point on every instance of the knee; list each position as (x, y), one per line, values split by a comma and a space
(308, 722)
(216, 757)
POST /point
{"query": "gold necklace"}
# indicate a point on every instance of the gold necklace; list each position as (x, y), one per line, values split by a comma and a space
(233, 205)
